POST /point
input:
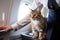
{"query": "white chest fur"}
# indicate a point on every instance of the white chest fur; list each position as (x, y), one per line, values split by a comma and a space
(35, 22)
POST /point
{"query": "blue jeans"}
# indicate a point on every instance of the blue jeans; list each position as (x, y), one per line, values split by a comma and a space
(51, 16)
(50, 22)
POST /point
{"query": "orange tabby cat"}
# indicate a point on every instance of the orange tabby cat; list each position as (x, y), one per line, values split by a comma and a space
(39, 25)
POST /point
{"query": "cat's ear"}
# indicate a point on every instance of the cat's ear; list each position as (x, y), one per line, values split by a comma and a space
(37, 9)
(31, 10)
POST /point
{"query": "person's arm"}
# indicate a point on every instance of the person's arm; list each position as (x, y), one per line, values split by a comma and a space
(25, 21)
(22, 23)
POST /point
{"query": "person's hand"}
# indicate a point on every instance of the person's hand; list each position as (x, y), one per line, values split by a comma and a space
(8, 28)
(2, 27)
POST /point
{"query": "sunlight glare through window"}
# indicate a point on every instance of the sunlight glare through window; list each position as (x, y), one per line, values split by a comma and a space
(22, 11)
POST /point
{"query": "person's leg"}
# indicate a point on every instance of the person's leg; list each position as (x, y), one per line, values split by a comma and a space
(56, 30)
(55, 33)
(50, 23)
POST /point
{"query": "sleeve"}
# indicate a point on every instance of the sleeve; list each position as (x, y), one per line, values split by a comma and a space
(22, 23)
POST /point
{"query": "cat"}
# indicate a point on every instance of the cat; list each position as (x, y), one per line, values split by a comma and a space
(39, 25)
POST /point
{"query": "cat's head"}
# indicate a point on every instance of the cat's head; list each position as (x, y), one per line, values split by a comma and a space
(35, 13)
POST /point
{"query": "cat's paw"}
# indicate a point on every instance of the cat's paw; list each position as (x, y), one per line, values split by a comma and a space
(35, 35)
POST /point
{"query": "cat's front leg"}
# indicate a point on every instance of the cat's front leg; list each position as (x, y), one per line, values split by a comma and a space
(42, 35)
(35, 35)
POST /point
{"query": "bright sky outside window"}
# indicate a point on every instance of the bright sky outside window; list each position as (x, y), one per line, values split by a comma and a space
(22, 11)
